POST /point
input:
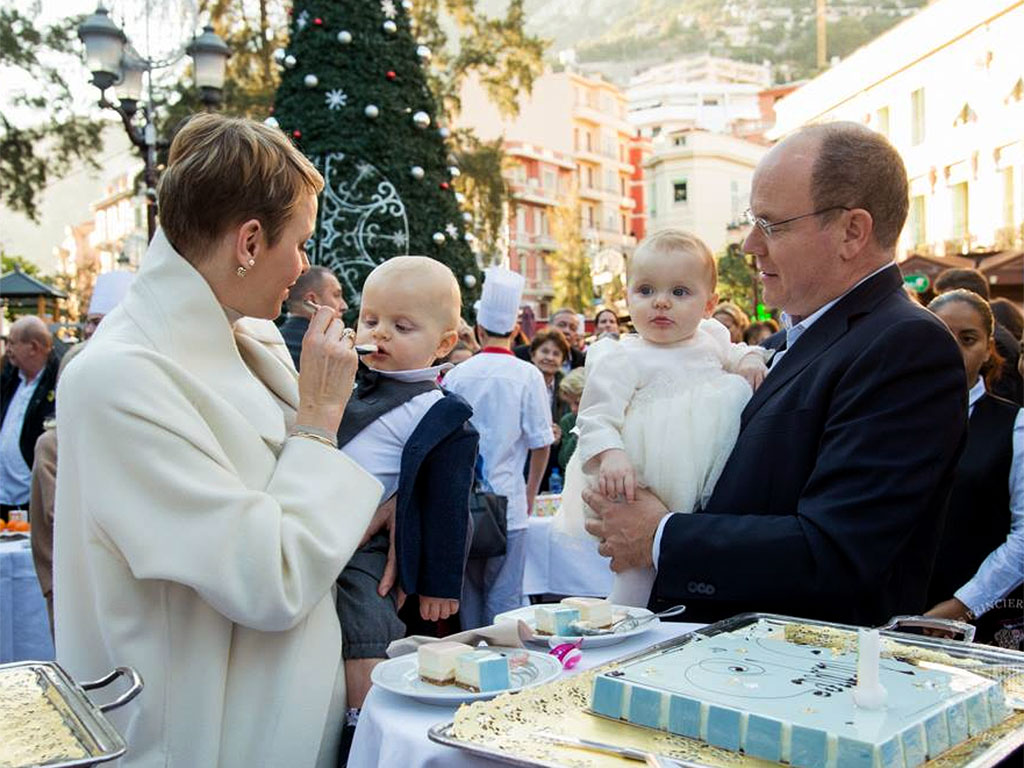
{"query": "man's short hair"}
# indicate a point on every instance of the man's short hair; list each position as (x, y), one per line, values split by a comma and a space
(564, 311)
(858, 168)
(310, 280)
(223, 171)
(32, 328)
(968, 279)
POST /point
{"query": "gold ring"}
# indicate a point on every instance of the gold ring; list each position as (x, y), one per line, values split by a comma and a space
(348, 333)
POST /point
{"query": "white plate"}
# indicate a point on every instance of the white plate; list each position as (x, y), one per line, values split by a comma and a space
(526, 613)
(401, 675)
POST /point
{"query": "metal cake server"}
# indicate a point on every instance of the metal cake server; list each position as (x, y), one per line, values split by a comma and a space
(628, 624)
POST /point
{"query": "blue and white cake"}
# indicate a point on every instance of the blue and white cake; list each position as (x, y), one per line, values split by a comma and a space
(482, 670)
(753, 691)
(555, 619)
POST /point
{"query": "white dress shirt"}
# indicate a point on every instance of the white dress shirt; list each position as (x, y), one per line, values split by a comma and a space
(512, 413)
(378, 447)
(15, 474)
(793, 334)
(1003, 570)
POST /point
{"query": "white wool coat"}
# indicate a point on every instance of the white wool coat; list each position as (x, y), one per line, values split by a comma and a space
(194, 540)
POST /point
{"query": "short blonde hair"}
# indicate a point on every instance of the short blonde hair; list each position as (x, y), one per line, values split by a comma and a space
(223, 171)
(673, 241)
(572, 383)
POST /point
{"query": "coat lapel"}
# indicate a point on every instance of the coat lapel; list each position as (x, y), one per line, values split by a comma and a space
(171, 302)
(828, 329)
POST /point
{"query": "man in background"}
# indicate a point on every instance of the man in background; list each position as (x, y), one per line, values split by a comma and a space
(318, 285)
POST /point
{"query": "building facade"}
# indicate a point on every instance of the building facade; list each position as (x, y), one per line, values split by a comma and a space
(700, 182)
(947, 88)
(571, 138)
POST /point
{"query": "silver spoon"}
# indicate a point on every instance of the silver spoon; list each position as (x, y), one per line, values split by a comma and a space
(628, 624)
(361, 349)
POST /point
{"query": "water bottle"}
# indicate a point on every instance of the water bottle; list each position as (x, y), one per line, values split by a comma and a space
(555, 481)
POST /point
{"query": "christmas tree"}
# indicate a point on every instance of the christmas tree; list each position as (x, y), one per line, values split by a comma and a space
(354, 98)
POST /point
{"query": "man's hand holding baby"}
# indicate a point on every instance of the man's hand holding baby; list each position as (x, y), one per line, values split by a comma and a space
(616, 476)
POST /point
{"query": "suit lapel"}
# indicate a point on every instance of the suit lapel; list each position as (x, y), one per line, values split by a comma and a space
(828, 329)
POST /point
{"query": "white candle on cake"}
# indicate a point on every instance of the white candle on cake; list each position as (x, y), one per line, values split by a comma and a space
(869, 693)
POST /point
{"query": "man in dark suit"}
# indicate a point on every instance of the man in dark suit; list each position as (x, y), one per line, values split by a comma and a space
(832, 502)
(319, 285)
(566, 321)
(26, 400)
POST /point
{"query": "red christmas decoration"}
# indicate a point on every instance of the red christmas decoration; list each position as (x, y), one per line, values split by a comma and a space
(445, 185)
(297, 133)
(318, 21)
(392, 74)
(271, 110)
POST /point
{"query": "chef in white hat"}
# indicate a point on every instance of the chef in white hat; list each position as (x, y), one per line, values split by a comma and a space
(107, 293)
(512, 413)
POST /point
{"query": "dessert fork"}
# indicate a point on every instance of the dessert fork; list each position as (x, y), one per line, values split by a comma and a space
(627, 624)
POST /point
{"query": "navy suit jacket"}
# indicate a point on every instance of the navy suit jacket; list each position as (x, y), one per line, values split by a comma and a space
(41, 407)
(832, 503)
(293, 330)
(432, 513)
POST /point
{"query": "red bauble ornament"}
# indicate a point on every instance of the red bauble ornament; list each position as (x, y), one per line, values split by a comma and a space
(445, 185)
(271, 110)
(392, 74)
(297, 133)
(318, 21)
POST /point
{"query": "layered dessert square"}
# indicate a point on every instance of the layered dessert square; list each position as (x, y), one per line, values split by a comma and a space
(481, 671)
(555, 619)
(436, 661)
(755, 692)
(593, 610)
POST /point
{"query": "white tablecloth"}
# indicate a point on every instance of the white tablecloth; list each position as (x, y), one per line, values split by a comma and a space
(560, 565)
(24, 625)
(393, 729)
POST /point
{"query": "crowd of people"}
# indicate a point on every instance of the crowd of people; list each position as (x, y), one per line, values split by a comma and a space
(249, 514)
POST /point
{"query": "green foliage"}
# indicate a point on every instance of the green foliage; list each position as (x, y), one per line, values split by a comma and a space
(32, 156)
(391, 142)
(484, 186)
(570, 267)
(10, 263)
(736, 280)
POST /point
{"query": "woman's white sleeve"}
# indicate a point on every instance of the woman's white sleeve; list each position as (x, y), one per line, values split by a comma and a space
(164, 496)
(612, 379)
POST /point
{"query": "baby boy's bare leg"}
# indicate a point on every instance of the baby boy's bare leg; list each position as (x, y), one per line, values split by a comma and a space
(357, 680)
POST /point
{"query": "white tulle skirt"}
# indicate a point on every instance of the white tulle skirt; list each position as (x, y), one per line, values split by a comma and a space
(678, 437)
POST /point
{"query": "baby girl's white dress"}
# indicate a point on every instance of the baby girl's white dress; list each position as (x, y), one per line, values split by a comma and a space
(675, 411)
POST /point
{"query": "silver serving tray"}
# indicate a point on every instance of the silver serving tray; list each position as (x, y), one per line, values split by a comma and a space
(85, 719)
(992, 754)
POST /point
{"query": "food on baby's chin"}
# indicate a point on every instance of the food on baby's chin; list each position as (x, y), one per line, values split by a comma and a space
(436, 661)
(595, 611)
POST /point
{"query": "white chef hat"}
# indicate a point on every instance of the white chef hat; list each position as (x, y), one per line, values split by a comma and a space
(108, 291)
(499, 302)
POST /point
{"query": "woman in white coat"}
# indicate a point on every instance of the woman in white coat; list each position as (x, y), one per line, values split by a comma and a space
(203, 512)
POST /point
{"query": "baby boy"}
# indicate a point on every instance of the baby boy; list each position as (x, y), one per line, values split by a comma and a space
(417, 441)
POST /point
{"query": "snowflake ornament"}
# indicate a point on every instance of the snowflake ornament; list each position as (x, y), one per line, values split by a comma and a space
(336, 99)
(387, 7)
(302, 21)
(452, 230)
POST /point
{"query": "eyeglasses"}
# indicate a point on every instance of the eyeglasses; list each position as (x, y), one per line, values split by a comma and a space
(768, 226)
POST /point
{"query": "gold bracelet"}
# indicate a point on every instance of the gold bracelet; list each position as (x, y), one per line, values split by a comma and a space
(314, 436)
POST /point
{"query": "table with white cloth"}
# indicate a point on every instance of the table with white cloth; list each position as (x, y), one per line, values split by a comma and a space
(24, 624)
(393, 729)
(563, 565)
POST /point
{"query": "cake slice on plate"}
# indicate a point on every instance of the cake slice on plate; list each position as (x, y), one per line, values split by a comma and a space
(593, 610)
(555, 619)
(436, 661)
(482, 671)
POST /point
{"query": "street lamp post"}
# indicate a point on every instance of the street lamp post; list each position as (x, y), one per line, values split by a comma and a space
(113, 61)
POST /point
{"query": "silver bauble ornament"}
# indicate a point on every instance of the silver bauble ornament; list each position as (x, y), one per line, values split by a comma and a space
(371, 110)
(311, 81)
(344, 37)
(467, 217)
(438, 238)
(468, 237)
(470, 281)
(460, 198)
(290, 61)
(423, 52)
(421, 120)
(279, 54)
(407, 4)
(444, 133)
(454, 172)
(417, 172)
(272, 122)
(390, 27)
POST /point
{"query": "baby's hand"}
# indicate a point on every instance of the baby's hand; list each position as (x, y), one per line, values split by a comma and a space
(435, 608)
(617, 476)
(753, 369)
